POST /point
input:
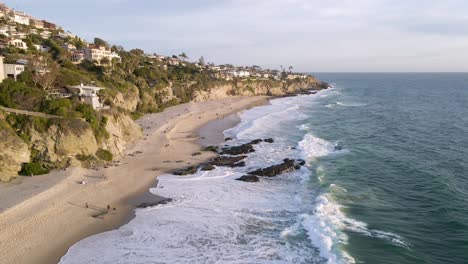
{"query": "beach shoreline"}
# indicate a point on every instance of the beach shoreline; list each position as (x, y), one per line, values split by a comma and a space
(43, 216)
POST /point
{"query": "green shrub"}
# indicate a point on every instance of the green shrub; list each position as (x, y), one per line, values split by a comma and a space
(19, 95)
(104, 154)
(33, 168)
(82, 157)
(60, 107)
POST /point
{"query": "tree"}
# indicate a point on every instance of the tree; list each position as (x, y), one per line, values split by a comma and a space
(44, 71)
(201, 61)
(290, 69)
(105, 61)
(100, 42)
(183, 56)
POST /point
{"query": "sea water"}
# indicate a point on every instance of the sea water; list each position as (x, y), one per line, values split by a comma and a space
(386, 181)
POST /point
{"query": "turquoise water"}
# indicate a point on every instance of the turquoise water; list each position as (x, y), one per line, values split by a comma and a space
(386, 181)
(407, 168)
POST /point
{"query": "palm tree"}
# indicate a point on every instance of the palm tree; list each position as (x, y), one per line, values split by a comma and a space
(290, 69)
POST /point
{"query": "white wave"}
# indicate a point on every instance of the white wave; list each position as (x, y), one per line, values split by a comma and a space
(315, 147)
(351, 104)
(215, 219)
(266, 120)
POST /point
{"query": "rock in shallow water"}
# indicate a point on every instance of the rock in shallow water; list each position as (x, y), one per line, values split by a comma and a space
(248, 178)
(151, 204)
(226, 161)
(186, 171)
(238, 150)
(207, 167)
(288, 165)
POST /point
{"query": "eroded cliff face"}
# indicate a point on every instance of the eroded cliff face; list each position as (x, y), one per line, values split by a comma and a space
(122, 130)
(14, 152)
(127, 101)
(260, 87)
(60, 144)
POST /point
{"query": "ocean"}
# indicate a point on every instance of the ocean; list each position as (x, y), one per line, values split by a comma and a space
(386, 181)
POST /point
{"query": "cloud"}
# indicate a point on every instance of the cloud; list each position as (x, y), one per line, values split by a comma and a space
(311, 35)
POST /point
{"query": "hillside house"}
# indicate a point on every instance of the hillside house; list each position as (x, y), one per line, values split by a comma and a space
(19, 35)
(18, 43)
(87, 94)
(41, 48)
(49, 26)
(95, 53)
(12, 70)
(39, 24)
(77, 57)
(69, 47)
(45, 34)
(20, 18)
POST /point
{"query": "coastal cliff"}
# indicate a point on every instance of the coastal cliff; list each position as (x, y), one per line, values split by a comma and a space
(80, 111)
(259, 87)
(63, 142)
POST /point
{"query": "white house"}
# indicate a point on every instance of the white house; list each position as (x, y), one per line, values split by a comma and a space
(19, 35)
(45, 34)
(38, 23)
(41, 48)
(18, 43)
(88, 94)
(95, 53)
(68, 47)
(240, 74)
(21, 18)
(77, 57)
(12, 70)
(2, 71)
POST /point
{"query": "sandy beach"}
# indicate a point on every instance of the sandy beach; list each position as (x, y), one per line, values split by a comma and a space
(41, 217)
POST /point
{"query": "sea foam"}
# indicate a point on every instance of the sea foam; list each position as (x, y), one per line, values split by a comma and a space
(214, 218)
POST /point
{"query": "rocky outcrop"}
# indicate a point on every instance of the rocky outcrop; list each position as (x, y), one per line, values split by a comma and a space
(259, 87)
(228, 161)
(159, 201)
(63, 141)
(288, 165)
(244, 148)
(186, 171)
(122, 130)
(14, 152)
(248, 178)
(127, 101)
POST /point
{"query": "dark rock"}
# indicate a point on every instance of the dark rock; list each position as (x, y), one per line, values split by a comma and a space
(228, 161)
(239, 164)
(211, 148)
(269, 140)
(248, 178)
(238, 150)
(301, 162)
(207, 167)
(256, 141)
(151, 204)
(337, 147)
(227, 139)
(196, 154)
(186, 171)
(288, 165)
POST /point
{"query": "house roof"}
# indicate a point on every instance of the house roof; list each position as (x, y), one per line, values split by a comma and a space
(85, 87)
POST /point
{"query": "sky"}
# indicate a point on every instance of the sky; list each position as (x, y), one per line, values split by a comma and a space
(310, 35)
